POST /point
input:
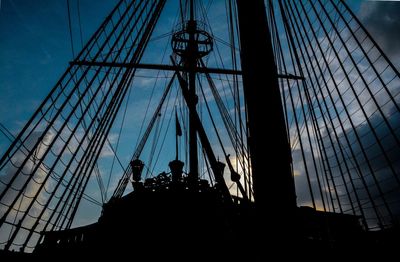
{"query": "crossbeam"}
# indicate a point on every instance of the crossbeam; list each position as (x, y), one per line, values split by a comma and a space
(172, 68)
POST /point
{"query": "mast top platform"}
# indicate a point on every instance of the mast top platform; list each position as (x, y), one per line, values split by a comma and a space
(202, 39)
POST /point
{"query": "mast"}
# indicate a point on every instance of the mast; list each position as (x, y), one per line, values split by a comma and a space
(270, 152)
(191, 63)
(192, 42)
(190, 56)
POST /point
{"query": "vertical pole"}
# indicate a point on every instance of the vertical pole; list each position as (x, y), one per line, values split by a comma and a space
(191, 60)
(192, 10)
(273, 183)
(176, 135)
(176, 148)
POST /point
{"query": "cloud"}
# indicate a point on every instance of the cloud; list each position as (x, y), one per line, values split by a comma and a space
(382, 20)
(383, 173)
(107, 151)
(330, 88)
(377, 162)
(32, 188)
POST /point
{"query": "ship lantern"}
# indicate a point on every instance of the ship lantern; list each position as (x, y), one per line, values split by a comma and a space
(221, 167)
(176, 167)
(137, 168)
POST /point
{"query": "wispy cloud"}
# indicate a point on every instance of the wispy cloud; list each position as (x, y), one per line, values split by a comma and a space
(382, 20)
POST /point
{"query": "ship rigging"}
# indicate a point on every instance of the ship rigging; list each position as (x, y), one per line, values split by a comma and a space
(295, 105)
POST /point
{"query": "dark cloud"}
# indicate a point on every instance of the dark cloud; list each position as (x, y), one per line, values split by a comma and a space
(382, 20)
(378, 163)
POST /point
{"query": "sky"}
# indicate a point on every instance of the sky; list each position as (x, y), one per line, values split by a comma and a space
(35, 48)
(376, 16)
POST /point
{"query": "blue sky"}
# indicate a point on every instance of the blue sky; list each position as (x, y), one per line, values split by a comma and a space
(35, 50)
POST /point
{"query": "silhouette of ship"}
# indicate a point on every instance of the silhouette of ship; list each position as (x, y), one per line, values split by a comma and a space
(181, 216)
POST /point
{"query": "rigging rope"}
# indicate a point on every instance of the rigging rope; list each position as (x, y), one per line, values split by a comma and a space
(78, 4)
(45, 168)
(166, 132)
(61, 103)
(118, 140)
(70, 29)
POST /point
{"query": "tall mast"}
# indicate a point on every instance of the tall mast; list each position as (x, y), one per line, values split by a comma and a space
(270, 152)
(191, 10)
(191, 63)
(191, 42)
